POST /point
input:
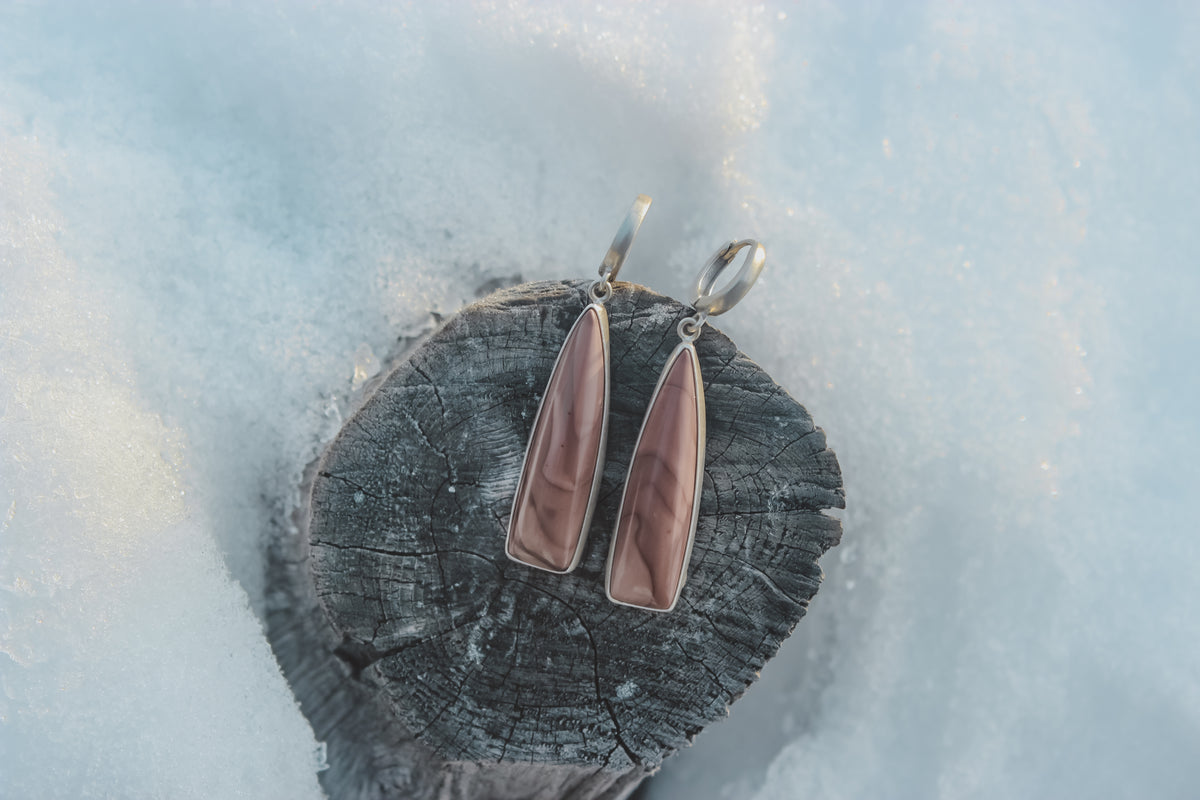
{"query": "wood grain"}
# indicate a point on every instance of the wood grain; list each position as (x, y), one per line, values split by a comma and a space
(436, 667)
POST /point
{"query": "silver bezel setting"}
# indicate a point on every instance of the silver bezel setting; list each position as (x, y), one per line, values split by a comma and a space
(597, 470)
(701, 436)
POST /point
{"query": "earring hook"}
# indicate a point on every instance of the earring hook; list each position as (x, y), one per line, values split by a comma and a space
(711, 304)
(615, 257)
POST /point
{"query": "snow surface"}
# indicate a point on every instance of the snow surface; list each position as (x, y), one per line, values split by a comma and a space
(981, 228)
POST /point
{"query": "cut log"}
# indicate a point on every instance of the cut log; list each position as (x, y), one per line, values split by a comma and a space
(435, 667)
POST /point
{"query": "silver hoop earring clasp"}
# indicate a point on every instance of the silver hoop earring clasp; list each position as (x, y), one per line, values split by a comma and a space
(615, 257)
(710, 303)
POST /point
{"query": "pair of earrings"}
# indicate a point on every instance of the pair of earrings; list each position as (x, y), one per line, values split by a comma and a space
(560, 477)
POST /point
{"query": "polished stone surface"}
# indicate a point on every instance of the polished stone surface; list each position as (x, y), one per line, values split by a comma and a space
(656, 517)
(553, 497)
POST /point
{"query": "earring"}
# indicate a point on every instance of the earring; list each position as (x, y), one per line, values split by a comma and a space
(656, 524)
(560, 476)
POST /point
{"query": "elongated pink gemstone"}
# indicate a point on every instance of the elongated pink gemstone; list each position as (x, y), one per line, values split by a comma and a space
(657, 517)
(556, 493)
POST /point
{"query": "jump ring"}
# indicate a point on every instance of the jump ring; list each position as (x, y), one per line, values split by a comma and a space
(689, 328)
(600, 291)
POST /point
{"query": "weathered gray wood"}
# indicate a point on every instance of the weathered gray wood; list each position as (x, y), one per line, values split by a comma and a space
(435, 667)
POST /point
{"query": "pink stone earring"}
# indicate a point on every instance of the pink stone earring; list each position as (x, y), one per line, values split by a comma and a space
(656, 524)
(560, 477)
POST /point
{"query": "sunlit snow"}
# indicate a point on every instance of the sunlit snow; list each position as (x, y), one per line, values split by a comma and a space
(981, 229)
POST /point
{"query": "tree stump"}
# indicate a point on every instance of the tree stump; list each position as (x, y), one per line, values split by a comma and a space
(435, 667)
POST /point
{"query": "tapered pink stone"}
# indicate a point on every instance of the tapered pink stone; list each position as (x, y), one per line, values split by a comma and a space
(656, 518)
(554, 496)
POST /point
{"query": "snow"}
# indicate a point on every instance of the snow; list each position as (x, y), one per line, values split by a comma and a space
(215, 221)
(132, 663)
